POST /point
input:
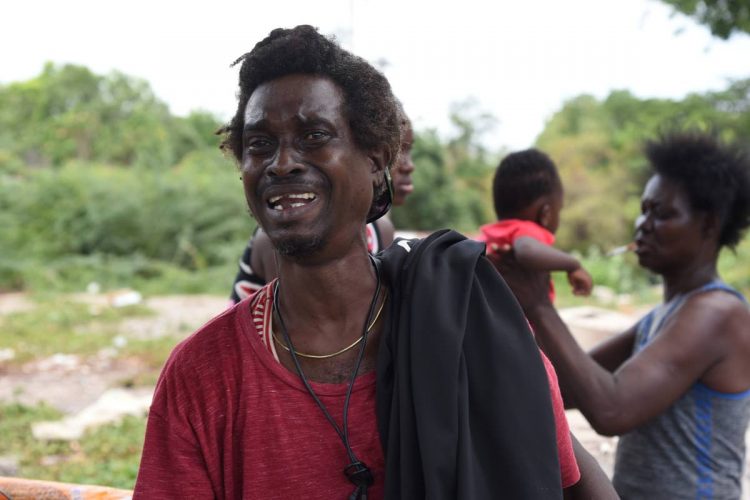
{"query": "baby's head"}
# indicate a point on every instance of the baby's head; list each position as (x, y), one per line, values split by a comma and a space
(526, 186)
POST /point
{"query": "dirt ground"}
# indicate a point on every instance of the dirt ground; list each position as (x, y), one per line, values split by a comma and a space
(71, 384)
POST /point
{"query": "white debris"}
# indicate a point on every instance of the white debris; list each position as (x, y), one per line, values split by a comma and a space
(604, 294)
(7, 354)
(58, 361)
(93, 288)
(108, 353)
(591, 325)
(8, 465)
(124, 298)
(110, 407)
(119, 341)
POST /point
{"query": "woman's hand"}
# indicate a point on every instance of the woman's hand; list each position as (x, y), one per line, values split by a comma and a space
(531, 288)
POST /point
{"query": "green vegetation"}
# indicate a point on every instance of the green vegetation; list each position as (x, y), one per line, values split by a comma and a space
(62, 326)
(597, 146)
(100, 183)
(723, 17)
(68, 226)
(453, 179)
(108, 455)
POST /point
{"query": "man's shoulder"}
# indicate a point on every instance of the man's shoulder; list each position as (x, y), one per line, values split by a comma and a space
(211, 345)
(438, 257)
(438, 241)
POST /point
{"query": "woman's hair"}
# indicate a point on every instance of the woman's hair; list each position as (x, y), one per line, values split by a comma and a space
(369, 106)
(715, 176)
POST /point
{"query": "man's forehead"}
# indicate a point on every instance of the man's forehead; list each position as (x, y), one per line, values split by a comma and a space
(295, 96)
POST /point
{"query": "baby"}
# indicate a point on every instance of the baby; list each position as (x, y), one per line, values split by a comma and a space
(528, 198)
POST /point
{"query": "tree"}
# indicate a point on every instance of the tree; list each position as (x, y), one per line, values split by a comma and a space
(597, 146)
(69, 113)
(723, 17)
(452, 178)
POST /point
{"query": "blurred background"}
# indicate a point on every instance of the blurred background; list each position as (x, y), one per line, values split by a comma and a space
(121, 222)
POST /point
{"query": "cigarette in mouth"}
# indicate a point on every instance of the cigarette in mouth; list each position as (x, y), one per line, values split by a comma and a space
(621, 249)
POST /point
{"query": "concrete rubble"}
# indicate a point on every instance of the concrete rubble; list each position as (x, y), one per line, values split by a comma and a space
(591, 325)
(111, 407)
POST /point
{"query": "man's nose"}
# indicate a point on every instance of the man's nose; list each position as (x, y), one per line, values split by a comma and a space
(286, 162)
(407, 165)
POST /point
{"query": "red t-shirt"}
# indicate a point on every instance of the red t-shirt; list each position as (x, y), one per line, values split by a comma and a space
(229, 421)
(507, 231)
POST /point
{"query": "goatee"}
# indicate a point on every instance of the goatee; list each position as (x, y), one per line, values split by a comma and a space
(299, 247)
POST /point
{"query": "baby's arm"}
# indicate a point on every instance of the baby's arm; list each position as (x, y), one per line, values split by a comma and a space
(537, 256)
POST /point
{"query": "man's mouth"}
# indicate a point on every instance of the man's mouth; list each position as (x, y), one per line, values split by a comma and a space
(290, 200)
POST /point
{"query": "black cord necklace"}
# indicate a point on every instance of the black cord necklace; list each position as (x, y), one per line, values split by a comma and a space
(357, 471)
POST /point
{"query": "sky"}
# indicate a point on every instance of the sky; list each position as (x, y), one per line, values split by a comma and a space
(518, 61)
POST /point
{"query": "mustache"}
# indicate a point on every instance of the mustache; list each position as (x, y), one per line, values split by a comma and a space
(290, 181)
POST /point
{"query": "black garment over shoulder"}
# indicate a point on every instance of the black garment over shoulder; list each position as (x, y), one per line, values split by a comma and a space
(462, 397)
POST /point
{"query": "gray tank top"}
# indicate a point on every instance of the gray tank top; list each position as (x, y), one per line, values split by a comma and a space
(695, 449)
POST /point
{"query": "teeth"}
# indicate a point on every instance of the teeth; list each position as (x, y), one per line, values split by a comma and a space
(273, 201)
(300, 196)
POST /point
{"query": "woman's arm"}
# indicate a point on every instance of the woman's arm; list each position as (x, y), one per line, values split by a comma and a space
(594, 483)
(644, 385)
(613, 352)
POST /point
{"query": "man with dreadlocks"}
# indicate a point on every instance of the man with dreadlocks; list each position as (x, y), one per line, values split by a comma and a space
(257, 265)
(409, 375)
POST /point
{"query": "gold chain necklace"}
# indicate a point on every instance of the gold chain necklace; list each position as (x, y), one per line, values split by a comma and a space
(326, 356)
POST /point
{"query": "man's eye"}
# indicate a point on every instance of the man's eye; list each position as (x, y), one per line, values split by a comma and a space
(316, 136)
(257, 144)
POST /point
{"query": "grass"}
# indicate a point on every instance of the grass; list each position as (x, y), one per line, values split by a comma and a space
(73, 273)
(107, 456)
(61, 325)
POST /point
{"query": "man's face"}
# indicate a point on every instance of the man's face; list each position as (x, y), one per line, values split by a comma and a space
(403, 168)
(306, 181)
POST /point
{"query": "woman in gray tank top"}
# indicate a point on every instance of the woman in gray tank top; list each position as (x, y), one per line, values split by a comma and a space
(675, 386)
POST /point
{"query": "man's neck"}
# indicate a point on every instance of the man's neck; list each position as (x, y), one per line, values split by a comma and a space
(324, 309)
(334, 294)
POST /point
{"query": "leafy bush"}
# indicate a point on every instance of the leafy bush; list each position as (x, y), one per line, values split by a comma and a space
(83, 221)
